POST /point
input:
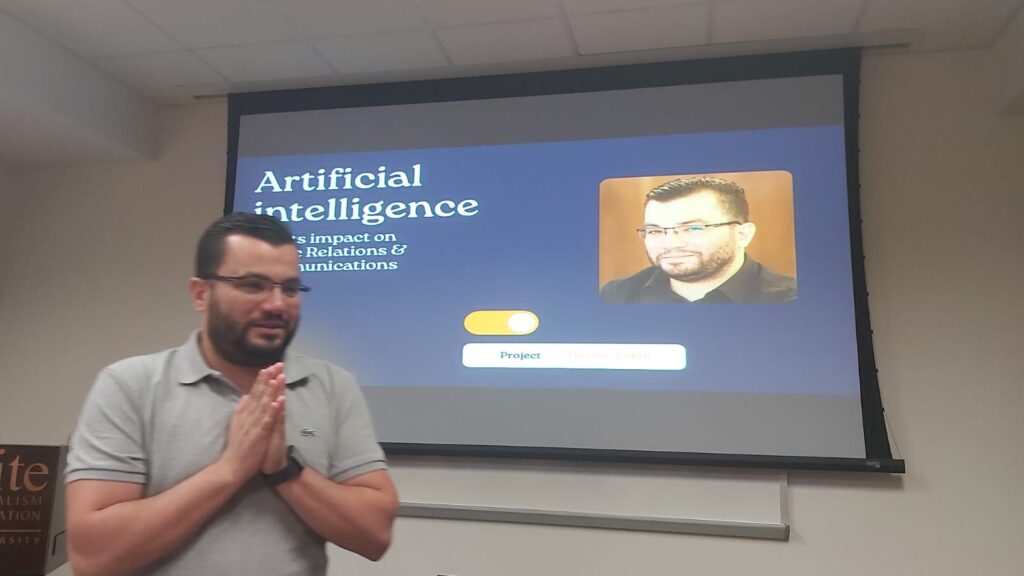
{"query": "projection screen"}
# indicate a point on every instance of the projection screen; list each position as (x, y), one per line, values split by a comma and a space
(484, 258)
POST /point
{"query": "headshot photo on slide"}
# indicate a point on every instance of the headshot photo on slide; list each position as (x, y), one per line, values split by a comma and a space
(698, 238)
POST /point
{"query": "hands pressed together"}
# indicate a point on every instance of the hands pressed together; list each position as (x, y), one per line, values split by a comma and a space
(256, 439)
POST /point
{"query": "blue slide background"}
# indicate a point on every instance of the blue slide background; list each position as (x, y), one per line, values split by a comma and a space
(533, 246)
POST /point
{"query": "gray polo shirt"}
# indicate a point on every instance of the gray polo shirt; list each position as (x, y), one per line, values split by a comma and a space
(160, 418)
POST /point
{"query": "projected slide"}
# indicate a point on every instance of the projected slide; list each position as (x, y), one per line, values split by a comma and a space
(502, 258)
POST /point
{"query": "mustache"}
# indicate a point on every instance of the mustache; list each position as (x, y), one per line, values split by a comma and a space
(677, 252)
(271, 320)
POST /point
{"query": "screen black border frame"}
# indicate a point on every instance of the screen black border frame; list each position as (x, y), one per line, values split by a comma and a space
(846, 62)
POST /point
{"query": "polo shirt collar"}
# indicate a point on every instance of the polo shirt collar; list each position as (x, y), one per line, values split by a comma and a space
(189, 367)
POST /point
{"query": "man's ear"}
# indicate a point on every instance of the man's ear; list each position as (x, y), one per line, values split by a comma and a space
(745, 233)
(199, 289)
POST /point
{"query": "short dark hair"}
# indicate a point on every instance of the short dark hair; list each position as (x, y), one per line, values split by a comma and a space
(730, 195)
(210, 251)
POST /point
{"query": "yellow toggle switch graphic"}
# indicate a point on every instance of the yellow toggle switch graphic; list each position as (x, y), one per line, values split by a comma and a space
(501, 322)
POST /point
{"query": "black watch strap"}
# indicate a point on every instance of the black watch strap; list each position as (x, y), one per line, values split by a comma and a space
(292, 468)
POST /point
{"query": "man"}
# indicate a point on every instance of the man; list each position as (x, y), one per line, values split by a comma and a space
(695, 232)
(228, 455)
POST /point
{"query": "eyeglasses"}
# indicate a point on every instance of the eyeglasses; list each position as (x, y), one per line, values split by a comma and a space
(260, 285)
(659, 232)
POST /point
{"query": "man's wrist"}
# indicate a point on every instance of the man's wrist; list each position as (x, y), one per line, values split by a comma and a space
(280, 465)
(224, 473)
(292, 468)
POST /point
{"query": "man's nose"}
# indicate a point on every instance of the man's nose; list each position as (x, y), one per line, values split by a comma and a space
(275, 299)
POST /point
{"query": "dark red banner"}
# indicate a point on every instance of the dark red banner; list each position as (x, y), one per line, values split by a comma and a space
(29, 482)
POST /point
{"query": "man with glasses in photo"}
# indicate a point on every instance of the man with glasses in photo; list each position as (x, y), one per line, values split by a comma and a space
(696, 231)
(230, 454)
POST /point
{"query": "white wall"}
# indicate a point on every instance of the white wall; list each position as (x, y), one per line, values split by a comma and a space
(100, 256)
(1008, 57)
(5, 224)
(98, 260)
(56, 106)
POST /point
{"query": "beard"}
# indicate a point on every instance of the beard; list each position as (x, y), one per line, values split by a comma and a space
(230, 338)
(696, 266)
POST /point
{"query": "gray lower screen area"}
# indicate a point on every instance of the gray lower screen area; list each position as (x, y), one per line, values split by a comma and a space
(705, 422)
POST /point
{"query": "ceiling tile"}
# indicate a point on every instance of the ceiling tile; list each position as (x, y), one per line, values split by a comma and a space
(85, 26)
(945, 24)
(986, 19)
(317, 18)
(382, 52)
(207, 23)
(641, 29)
(750, 20)
(471, 12)
(508, 42)
(163, 69)
(576, 7)
(265, 62)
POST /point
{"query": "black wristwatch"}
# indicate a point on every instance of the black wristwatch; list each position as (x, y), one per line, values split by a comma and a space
(291, 469)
